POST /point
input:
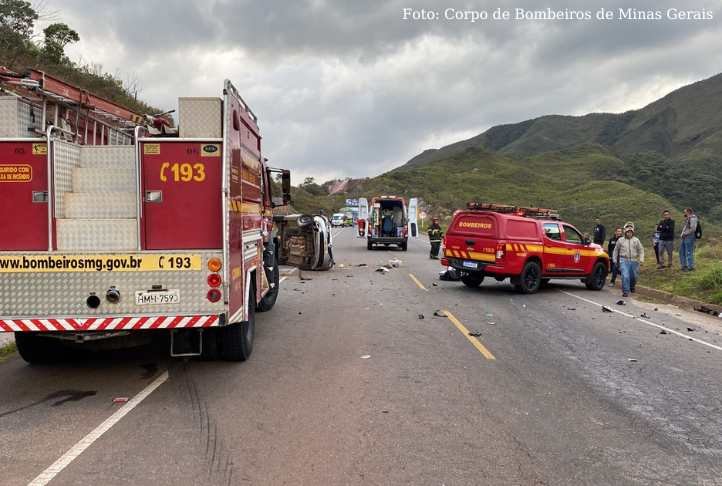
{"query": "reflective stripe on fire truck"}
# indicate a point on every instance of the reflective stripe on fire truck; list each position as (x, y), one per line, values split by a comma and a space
(108, 323)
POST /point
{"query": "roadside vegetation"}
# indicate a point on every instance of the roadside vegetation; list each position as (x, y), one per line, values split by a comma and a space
(6, 351)
(21, 48)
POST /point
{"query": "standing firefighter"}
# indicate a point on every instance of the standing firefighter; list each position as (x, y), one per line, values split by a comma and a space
(435, 236)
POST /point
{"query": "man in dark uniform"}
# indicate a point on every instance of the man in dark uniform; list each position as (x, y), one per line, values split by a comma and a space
(435, 236)
(599, 234)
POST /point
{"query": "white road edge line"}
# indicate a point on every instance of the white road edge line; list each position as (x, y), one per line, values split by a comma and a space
(645, 321)
(46, 476)
(281, 280)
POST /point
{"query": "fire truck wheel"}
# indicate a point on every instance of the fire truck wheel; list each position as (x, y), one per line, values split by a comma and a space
(237, 338)
(472, 280)
(273, 276)
(36, 349)
(211, 349)
(530, 279)
(596, 279)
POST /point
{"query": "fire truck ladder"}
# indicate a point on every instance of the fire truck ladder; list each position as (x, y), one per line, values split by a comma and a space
(94, 191)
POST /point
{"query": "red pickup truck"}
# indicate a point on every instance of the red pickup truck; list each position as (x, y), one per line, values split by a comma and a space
(529, 246)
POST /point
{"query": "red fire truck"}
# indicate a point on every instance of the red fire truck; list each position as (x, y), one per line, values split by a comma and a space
(529, 246)
(115, 224)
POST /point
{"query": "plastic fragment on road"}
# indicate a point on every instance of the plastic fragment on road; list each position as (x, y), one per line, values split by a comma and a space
(434, 284)
(663, 332)
(382, 270)
(621, 302)
(395, 262)
(366, 356)
(121, 400)
(632, 360)
(421, 316)
(474, 333)
(689, 329)
(492, 323)
(439, 313)
(606, 309)
(362, 265)
(644, 315)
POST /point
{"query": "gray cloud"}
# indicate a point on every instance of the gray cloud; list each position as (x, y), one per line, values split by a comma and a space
(350, 89)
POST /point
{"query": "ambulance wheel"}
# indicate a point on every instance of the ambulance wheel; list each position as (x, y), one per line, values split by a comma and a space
(530, 279)
(237, 338)
(596, 279)
(274, 279)
(472, 280)
(37, 349)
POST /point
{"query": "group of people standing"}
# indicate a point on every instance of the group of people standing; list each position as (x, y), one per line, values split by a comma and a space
(626, 251)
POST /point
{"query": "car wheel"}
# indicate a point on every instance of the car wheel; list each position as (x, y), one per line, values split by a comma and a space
(530, 279)
(596, 279)
(472, 280)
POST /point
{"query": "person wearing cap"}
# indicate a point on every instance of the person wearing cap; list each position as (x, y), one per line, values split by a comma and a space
(435, 235)
(628, 256)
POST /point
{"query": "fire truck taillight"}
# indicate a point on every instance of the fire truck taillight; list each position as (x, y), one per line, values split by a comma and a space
(214, 264)
(214, 295)
(499, 251)
(214, 280)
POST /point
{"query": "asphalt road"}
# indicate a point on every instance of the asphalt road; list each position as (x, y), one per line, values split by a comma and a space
(349, 385)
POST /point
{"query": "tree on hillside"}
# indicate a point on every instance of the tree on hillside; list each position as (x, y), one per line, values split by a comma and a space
(17, 19)
(309, 185)
(57, 36)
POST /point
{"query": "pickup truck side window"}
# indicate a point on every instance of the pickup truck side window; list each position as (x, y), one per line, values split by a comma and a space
(551, 230)
(573, 235)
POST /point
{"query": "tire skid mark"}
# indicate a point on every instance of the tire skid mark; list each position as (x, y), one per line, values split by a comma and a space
(220, 467)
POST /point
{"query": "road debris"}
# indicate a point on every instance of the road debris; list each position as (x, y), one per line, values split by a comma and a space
(366, 356)
(644, 315)
(689, 329)
(621, 302)
(449, 275)
(362, 265)
(121, 400)
(491, 323)
(663, 332)
(421, 316)
(434, 284)
(606, 309)
(632, 360)
(382, 270)
(474, 333)
(395, 262)
(439, 313)
(571, 308)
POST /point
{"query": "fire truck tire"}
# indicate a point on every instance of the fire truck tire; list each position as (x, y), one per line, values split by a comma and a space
(598, 277)
(472, 280)
(36, 350)
(211, 348)
(530, 279)
(237, 338)
(269, 300)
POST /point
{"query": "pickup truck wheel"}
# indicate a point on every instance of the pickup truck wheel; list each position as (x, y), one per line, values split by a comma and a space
(472, 280)
(596, 279)
(37, 349)
(274, 279)
(237, 338)
(530, 278)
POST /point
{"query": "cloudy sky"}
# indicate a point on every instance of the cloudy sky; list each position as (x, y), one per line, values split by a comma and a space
(350, 88)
